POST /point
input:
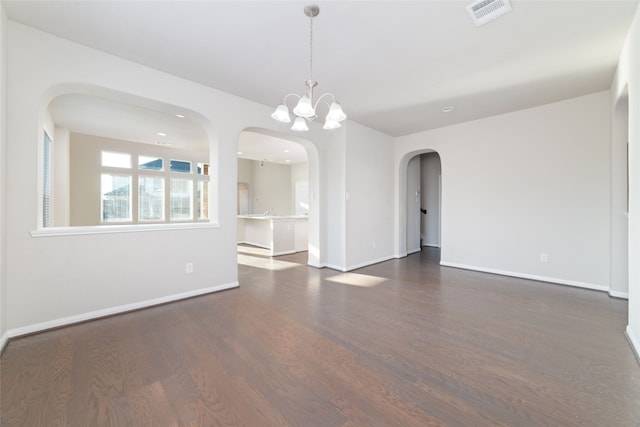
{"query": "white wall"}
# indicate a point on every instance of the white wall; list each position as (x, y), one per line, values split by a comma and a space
(72, 276)
(274, 186)
(525, 183)
(271, 188)
(628, 78)
(299, 173)
(245, 171)
(245, 177)
(430, 184)
(3, 177)
(369, 183)
(335, 194)
(56, 279)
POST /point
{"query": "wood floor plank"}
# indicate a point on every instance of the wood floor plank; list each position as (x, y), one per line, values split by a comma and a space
(401, 343)
(59, 394)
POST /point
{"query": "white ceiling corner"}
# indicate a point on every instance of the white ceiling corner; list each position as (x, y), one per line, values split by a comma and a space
(392, 64)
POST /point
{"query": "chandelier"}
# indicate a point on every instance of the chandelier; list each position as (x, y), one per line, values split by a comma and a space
(306, 109)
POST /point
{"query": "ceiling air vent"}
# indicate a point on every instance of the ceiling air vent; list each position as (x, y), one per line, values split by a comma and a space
(483, 11)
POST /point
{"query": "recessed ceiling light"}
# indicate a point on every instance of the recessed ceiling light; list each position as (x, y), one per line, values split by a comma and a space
(240, 152)
(286, 151)
(161, 134)
(180, 116)
(288, 161)
(447, 109)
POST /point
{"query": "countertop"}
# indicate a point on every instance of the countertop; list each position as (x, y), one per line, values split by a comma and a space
(274, 217)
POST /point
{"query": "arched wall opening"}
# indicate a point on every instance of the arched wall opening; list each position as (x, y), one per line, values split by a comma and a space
(106, 119)
(420, 201)
(313, 214)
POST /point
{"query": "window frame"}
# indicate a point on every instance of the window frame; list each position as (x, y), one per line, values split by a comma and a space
(118, 173)
(140, 178)
(196, 179)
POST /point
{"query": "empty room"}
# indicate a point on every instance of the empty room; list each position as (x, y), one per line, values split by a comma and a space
(341, 213)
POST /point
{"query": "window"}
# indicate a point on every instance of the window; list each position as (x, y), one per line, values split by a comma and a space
(202, 169)
(180, 166)
(116, 198)
(46, 185)
(150, 198)
(161, 194)
(150, 163)
(203, 199)
(115, 188)
(116, 160)
(181, 196)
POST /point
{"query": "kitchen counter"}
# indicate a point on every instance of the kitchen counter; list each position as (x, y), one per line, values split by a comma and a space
(276, 217)
(282, 235)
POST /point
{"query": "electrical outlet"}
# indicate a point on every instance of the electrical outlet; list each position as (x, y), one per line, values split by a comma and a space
(544, 257)
(188, 268)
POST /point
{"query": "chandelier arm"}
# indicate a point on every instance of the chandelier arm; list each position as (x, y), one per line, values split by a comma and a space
(333, 98)
(284, 100)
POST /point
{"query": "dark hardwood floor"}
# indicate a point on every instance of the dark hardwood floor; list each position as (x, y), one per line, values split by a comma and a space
(401, 343)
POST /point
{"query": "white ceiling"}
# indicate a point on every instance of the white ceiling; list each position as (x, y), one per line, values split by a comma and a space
(108, 118)
(258, 146)
(92, 115)
(392, 64)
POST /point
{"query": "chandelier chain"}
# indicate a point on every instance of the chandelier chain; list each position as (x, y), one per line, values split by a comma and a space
(310, 48)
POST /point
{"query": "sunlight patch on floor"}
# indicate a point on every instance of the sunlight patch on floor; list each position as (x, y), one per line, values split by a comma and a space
(266, 263)
(355, 279)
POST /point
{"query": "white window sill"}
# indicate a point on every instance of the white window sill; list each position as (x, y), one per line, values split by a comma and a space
(110, 229)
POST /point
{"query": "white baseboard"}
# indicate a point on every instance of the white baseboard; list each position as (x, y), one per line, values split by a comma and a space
(337, 267)
(92, 315)
(258, 245)
(375, 261)
(618, 294)
(404, 254)
(282, 253)
(316, 265)
(528, 276)
(4, 339)
(634, 340)
(344, 269)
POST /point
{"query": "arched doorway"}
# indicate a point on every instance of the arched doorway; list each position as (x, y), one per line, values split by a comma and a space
(419, 210)
(299, 197)
(619, 256)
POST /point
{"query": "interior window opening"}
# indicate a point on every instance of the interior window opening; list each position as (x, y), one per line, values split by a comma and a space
(120, 163)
